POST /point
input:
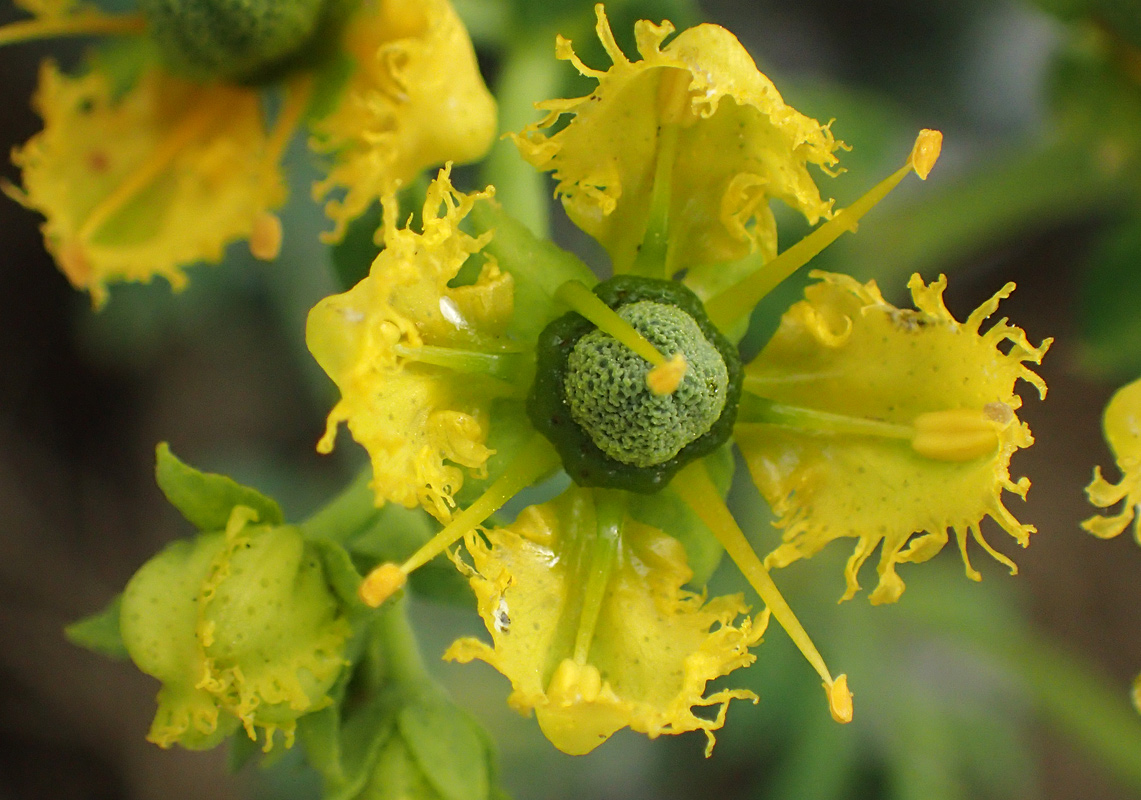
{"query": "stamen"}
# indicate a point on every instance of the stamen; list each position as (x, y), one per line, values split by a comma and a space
(606, 319)
(960, 434)
(610, 513)
(190, 128)
(297, 98)
(699, 493)
(756, 410)
(84, 24)
(533, 461)
(737, 301)
(506, 366)
(265, 238)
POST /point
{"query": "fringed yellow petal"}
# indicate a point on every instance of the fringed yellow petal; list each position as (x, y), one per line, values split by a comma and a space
(145, 183)
(845, 351)
(655, 646)
(420, 423)
(414, 100)
(739, 145)
(1122, 424)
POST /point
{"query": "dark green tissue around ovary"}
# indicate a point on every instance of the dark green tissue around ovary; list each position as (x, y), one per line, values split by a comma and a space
(239, 40)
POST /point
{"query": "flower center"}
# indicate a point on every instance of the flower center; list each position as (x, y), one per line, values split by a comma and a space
(606, 389)
(597, 400)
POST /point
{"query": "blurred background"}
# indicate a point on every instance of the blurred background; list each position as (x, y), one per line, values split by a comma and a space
(1017, 687)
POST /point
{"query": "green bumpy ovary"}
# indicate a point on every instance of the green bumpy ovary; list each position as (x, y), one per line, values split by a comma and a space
(231, 39)
(608, 397)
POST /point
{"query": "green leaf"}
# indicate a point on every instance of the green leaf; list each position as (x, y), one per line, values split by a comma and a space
(448, 747)
(100, 632)
(206, 499)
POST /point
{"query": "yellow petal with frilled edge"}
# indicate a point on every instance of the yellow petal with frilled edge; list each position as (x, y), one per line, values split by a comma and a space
(415, 99)
(1122, 423)
(420, 423)
(145, 183)
(654, 648)
(844, 351)
(738, 146)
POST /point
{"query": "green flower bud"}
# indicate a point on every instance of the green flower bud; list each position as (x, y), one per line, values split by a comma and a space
(240, 40)
(240, 626)
(591, 400)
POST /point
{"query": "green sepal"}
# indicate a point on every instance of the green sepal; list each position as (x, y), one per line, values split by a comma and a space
(667, 512)
(241, 750)
(340, 572)
(510, 431)
(206, 499)
(537, 266)
(100, 632)
(550, 413)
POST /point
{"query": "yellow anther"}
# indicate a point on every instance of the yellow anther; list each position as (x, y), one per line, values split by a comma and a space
(383, 582)
(839, 699)
(265, 238)
(925, 152)
(959, 434)
(667, 376)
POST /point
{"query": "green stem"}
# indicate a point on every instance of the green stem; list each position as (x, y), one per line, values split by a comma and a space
(1068, 692)
(610, 511)
(402, 660)
(528, 74)
(347, 514)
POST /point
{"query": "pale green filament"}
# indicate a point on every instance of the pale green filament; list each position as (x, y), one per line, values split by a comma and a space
(610, 515)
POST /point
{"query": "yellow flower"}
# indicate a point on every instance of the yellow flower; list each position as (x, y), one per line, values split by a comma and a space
(1122, 423)
(649, 647)
(146, 183)
(910, 425)
(737, 146)
(148, 179)
(388, 344)
(415, 100)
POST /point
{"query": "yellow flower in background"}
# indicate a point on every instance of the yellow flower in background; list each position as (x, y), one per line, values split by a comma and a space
(735, 146)
(392, 342)
(640, 656)
(415, 100)
(146, 179)
(906, 426)
(1122, 424)
(146, 183)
